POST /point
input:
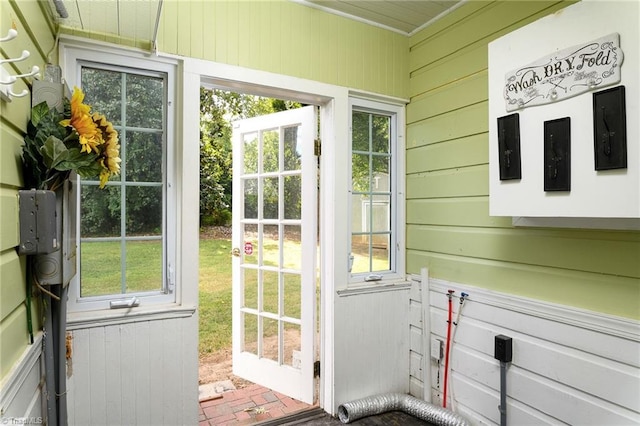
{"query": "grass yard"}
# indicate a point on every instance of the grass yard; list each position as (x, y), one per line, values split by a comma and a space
(144, 263)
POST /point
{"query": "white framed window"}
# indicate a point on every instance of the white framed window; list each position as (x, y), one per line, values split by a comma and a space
(126, 253)
(376, 231)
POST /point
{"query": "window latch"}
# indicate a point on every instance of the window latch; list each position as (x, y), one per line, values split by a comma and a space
(126, 303)
(373, 277)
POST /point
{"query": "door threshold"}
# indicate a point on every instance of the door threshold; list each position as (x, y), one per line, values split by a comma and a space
(300, 417)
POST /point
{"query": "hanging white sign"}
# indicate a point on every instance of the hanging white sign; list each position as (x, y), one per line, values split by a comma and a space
(564, 74)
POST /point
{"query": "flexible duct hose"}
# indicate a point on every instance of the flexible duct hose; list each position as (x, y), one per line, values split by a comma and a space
(378, 404)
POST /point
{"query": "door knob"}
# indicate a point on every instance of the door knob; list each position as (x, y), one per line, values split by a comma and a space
(236, 252)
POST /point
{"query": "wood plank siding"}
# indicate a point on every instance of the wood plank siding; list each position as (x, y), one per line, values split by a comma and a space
(449, 229)
(21, 363)
(35, 34)
(553, 347)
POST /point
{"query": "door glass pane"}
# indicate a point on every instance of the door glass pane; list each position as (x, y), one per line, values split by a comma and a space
(292, 295)
(292, 149)
(271, 246)
(250, 244)
(292, 347)
(292, 248)
(250, 288)
(250, 153)
(270, 343)
(144, 266)
(250, 198)
(270, 146)
(250, 330)
(100, 268)
(143, 157)
(271, 197)
(293, 197)
(270, 292)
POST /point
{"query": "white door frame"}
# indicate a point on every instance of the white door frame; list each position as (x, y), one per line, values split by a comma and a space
(334, 132)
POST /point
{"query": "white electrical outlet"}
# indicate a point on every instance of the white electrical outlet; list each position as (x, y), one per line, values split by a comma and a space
(436, 349)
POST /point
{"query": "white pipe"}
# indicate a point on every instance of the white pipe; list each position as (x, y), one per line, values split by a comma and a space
(426, 334)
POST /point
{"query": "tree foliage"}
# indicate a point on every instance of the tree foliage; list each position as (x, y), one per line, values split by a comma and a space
(218, 109)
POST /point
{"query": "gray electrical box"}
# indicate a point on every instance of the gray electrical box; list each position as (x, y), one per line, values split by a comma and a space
(38, 225)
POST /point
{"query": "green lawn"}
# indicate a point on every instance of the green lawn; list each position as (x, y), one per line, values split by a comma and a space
(144, 269)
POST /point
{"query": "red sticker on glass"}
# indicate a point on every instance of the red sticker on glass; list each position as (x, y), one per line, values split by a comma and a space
(248, 248)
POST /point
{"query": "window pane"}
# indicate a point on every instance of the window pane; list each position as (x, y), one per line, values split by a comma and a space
(100, 268)
(143, 156)
(144, 210)
(360, 172)
(144, 266)
(270, 144)
(360, 132)
(380, 134)
(145, 100)
(380, 177)
(103, 91)
(360, 253)
(99, 211)
(381, 259)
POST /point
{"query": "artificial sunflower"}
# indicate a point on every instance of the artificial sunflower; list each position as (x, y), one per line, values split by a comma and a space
(74, 139)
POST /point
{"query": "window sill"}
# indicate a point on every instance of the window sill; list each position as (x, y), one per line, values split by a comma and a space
(374, 288)
(105, 317)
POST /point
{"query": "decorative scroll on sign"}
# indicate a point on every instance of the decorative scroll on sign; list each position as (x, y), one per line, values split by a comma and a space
(564, 74)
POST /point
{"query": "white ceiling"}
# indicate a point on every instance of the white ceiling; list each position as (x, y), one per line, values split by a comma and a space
(136, 19)
(403, 16)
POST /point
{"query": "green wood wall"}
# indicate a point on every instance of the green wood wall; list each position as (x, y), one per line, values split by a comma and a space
(286, 38)
(35, 35)
(448, 224)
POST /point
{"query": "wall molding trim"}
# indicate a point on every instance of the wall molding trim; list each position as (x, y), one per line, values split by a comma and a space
(13, 381)
(616, 326)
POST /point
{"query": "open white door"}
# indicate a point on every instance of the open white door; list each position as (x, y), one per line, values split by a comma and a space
(274, 251)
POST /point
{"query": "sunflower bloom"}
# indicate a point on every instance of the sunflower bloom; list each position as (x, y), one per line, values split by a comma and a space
(82, 122)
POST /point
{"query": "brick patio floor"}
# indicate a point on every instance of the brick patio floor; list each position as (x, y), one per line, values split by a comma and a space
(246, 406)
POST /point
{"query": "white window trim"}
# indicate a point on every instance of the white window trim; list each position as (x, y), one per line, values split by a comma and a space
(72, 53)
(397, 210)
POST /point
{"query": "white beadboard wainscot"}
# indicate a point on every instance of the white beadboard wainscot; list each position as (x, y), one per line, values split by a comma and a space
(136, 373)
(21, 390)
(371, 349)
(569, 365)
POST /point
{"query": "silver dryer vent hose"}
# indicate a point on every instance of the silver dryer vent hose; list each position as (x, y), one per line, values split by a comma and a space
(378, 404)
